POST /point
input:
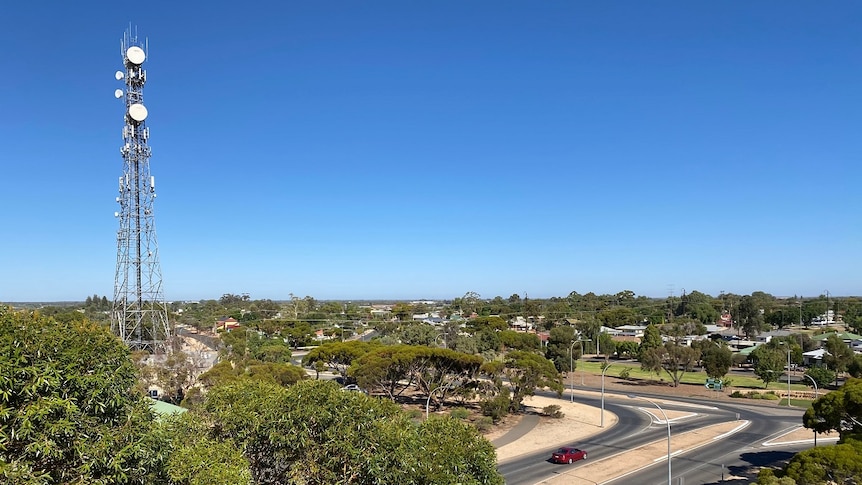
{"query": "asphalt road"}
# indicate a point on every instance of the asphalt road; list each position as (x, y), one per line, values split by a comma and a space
(736, 458)
(738, 452)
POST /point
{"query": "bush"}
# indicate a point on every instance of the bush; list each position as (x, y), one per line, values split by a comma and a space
(484, 423)
(737, 394)
(415, 414)
(496, 407)
(626, 373)
(552, 411)
(460, 413)
(770, 396)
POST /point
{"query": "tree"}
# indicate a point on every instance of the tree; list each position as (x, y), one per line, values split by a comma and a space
(70, 409)
(559, 345)
(196, 458)
(526, 372)
(838, 355)
(750, 314)
(519, 340)
(627, 349)
(821, 375)
(769, 362)
(854, 368)
(839, 410)
(418, 334)
(674, 357)
(316, 434)
(338, 355)
(650, 340)
(480, 324)
(717, 358)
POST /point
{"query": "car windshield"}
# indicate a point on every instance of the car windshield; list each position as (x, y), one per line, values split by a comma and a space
(563, 450)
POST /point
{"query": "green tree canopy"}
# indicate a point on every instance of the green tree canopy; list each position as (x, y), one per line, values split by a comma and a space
(840, 410)
(316, 434)
(526, 372)
(769, 363)
(69, 407)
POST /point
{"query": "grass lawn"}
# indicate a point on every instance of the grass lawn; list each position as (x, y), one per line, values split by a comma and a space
(635, 372)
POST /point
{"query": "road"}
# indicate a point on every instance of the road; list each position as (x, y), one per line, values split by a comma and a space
(738, 452)
(741, 454)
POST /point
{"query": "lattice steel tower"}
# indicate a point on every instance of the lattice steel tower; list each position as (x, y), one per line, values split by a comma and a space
(139, 315)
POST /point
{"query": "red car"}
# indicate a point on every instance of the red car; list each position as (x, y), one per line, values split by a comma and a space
(568, 454)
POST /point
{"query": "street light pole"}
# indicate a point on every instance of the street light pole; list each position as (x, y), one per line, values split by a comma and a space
(602, 425)
(815, 397)
(572, 369)
(632, 396)
(788, 376)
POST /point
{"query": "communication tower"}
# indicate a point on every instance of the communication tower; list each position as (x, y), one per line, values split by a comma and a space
(139, 315)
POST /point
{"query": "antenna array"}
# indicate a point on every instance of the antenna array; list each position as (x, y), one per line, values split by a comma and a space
(139, 315)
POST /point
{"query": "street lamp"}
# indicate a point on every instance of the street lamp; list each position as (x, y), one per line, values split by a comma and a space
(572, 370)
(602, 425)
(632, 396)
(815, 397)
(572, 364)
(788, 372)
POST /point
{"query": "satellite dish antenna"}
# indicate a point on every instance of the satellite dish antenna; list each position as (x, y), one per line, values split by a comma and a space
(118, 93)
(138, 112)
(119, 75)
(135, 55)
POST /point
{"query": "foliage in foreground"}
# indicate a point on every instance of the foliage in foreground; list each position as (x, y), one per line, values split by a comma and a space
(69, 408)
(71, 412)
(315, 433)
(825, 464)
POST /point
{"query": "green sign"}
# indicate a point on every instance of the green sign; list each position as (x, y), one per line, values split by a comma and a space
(714, 384)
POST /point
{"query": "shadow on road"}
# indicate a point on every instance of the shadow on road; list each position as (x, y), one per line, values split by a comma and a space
(746, 474)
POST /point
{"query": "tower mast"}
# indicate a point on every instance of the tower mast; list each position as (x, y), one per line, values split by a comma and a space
(139, 314)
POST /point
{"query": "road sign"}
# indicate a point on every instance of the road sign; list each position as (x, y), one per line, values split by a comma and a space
(714, 384)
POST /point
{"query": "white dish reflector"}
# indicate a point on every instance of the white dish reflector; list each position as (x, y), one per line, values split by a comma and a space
(138, 112)
(135, 55)
(118, 93)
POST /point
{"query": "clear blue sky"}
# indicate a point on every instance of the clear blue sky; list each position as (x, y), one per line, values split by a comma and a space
(356, 150)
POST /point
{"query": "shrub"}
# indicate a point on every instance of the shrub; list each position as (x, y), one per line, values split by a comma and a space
(496, 407)
(460, 413)
(552, 411)
(771, 396)
(626, 373)
(736, 394)
(415, 414)
(484, 423)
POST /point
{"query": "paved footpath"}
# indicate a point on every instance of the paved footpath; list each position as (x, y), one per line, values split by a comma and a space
(524, 426)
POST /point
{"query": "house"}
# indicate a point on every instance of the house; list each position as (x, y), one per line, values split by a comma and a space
(226, 324)
(847, 337)
(813, 357)
(766, 337)
(632, 330)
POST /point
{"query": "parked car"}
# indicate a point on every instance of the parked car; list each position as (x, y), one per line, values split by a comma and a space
(354, 388)
(567, 454)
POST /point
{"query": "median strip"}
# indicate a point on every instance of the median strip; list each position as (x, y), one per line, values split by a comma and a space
(631, 461)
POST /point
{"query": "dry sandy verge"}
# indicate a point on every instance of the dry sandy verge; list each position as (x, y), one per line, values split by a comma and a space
(579, 421)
